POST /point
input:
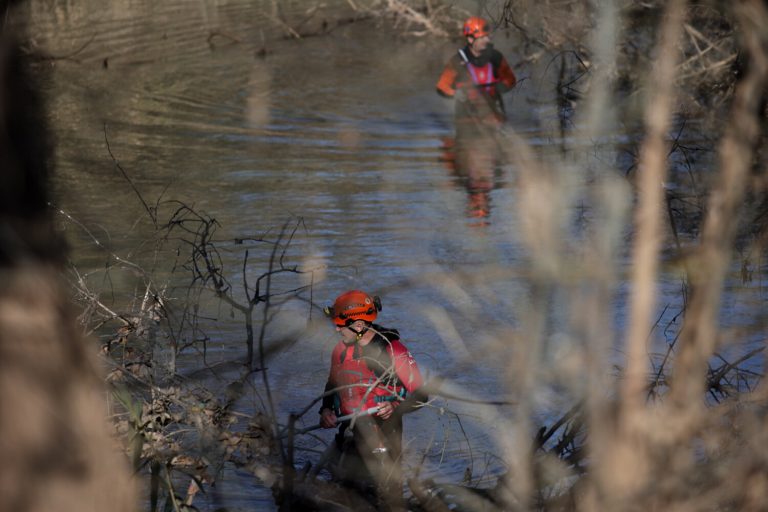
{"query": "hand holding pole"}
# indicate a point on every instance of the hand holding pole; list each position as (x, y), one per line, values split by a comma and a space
(341, 419)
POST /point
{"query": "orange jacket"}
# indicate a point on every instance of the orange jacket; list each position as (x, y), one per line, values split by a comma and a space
(455, 75)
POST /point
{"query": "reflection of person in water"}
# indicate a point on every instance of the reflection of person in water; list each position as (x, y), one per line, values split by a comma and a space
(476, 77)
(476, 169)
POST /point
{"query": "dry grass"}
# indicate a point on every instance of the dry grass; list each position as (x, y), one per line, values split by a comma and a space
(682, 436)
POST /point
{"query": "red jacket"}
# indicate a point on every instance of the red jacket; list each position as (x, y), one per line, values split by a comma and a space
(382, 370)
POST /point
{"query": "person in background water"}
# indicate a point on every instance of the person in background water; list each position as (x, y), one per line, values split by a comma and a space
(476, 77)
(370, 368)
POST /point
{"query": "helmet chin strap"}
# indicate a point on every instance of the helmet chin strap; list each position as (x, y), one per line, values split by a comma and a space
(359, 334)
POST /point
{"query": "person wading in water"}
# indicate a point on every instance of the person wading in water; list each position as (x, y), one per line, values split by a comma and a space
(476, 77)
(370, 370)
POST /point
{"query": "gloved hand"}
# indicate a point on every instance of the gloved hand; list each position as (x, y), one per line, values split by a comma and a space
(460, 95)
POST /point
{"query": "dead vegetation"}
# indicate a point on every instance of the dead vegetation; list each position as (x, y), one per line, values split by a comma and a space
(683, 417)
(683, 429)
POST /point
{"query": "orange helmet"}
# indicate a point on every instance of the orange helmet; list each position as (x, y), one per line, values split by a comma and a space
(476, 27)
(352, 306)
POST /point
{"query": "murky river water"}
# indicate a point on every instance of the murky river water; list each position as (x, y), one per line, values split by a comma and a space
(207, 103)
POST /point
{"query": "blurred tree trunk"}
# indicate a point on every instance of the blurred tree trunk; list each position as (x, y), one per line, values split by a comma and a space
(54, 445)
